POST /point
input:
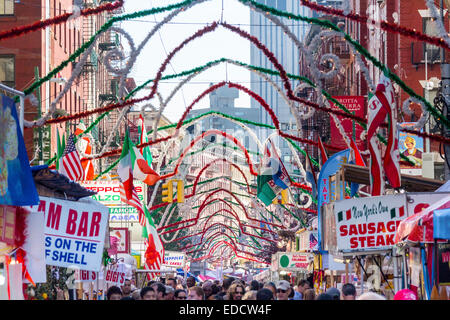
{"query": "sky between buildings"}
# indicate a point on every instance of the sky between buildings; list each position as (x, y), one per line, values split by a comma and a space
(215, 45)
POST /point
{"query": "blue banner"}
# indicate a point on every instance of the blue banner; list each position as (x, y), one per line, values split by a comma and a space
(329, 168)
(16, 182)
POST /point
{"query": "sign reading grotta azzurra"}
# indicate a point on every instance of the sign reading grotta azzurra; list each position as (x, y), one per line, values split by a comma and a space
(368, 223)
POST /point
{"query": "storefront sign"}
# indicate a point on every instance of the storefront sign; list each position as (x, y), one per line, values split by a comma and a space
(108, 193)
(85, 276)
(293, 261)
(174, 259)
(123, 236)
(74, 232)
(116, 274)
(411, 146)
(356, 105)
(368, 223)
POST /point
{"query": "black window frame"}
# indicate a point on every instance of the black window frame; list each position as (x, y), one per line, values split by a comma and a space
(8, 83)
(9, 14)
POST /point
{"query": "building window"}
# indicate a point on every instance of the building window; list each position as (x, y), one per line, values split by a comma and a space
(7, 71)
(6, 7)
(429, 28)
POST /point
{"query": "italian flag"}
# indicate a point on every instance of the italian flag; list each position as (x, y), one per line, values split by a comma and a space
(347, 215)
(133, 165)
(397, 212)
(145, 151)
(125, 169)
(154, 254)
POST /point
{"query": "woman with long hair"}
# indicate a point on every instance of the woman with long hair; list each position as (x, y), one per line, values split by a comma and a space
(235, 292)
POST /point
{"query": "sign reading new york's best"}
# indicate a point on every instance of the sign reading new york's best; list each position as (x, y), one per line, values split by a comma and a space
(368, 223)
(74, 232)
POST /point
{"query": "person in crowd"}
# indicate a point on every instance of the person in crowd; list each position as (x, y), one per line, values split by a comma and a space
(207, 288)
(190, 282)
(179, 283)
(370, 296)
(254, 285)
(127, 298)
(149, 284)
(348, 291)
(114, 293)
(225, 286)
(334, 293)
(283, 290)
(160, 290)
(264, 294)
(147, 293)
(250, 295)
(324, 296)
(302, 286)
(136, 294)
(271, 286)
(196, 293)
(170, 292)
(126, 288)
(172, 282)
(309, 294)
(215, 289)
(235, 292)
(180, 294)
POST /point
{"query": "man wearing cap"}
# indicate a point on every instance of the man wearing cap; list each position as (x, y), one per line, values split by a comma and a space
(334, 293)
(283, 290)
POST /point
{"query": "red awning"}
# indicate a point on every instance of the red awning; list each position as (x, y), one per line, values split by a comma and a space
(419, 227)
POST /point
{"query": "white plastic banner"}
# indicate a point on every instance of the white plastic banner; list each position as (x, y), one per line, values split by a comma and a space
(74, 232)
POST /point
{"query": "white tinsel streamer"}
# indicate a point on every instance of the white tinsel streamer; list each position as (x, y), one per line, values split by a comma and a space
(425, 114)
(190, 77)
(33, 100)
(438, 22)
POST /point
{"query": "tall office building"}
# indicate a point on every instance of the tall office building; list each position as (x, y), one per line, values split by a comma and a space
(284, 49)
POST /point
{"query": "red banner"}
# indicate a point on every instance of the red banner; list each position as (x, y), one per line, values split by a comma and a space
(357, 106)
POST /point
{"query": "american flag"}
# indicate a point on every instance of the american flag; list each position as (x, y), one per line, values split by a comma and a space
(312, 242)
(70, 162)
(134, 201)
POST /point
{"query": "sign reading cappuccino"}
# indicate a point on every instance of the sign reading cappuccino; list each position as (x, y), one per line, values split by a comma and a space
(368, 223)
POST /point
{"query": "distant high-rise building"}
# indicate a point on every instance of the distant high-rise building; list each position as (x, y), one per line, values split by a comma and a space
(286, 52)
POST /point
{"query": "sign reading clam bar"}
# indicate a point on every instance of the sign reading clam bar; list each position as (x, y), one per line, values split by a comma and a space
(368, 223)
(74, 233)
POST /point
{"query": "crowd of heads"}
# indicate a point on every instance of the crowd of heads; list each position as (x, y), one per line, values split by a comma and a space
(237, 289)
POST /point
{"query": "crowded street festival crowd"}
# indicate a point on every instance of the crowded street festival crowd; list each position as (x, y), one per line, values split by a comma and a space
(237, 289)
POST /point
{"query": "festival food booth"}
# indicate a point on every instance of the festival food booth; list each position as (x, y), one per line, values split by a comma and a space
(425, 236)
(362, 231)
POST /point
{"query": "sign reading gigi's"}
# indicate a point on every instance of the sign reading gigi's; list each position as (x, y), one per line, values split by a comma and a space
(74, 232)
(368, 223)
